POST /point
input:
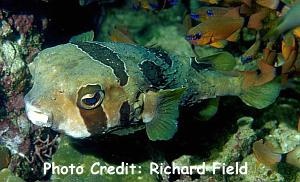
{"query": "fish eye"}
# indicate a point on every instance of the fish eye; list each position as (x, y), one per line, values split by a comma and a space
(90, 96)
(197, 36)
(210, 12)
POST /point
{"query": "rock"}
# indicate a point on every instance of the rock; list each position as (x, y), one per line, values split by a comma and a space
(4, 157)
(67, 155)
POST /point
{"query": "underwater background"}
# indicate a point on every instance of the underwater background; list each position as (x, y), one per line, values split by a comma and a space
(258, 39)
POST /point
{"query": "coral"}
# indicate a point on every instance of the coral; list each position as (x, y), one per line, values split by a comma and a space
(259, 172)
(15, 103)
(22, 23)
(18, 45)
(33, 152)
(4, 157)
(236, 148)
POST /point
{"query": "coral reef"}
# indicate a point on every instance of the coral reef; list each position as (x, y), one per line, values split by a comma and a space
(67, 155)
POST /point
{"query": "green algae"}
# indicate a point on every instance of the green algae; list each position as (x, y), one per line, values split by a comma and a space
(67, 155)
(7, 176)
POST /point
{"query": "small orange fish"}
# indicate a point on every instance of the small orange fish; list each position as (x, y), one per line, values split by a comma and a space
(289, 52)
(214, 30)
(210, 1)
(296, 32)
(264, 74)
(265, 155)
(255, 20)
(154, 4)
(204, 13)
(120, 34)
(266, 71)
(271, 4)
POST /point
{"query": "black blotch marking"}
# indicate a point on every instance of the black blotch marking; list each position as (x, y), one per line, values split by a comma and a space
(107, 57)
(94, 119)
(200, 65)
(124, 114)
(162, 55)
(153, 73)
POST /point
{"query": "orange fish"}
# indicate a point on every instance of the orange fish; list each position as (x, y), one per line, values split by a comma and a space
(210, 1)
(204, 13)
(296, 32)
(265, 155)
(227, 2)
(264, 74)
(121, 34)
(255, 20)
(271, 4)
(266, 71)
(214, 30)
(153, 4)
(289, 52)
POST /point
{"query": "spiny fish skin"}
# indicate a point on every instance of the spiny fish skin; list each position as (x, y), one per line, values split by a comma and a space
(93, 88)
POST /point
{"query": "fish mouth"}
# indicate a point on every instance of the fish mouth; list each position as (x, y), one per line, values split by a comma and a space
(36, 116)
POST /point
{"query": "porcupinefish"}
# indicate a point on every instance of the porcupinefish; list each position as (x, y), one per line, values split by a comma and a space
(88, 89)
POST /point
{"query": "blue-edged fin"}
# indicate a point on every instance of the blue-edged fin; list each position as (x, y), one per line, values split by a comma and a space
(261, 96)
(161, 112)
(86, 36)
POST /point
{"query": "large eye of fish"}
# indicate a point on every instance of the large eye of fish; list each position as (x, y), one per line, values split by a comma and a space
(90, 96)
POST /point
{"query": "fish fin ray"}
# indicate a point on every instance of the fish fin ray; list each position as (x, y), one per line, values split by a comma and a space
(163, 125)
(235, 36)
(261, 96)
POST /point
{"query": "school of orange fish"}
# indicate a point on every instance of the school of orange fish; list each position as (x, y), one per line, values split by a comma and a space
(219, 23)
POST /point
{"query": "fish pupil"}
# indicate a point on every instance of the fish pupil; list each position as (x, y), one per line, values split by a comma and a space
(196, 36)
(93, 100)
(210, 12)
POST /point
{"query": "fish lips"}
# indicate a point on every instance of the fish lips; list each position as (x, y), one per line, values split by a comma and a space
(36, 115)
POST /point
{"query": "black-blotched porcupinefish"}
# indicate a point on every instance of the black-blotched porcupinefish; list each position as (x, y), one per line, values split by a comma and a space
(87, 89)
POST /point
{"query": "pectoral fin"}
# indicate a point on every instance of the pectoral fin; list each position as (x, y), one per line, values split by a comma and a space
(161, 112)
(220, 44)
(222, 61)
(86, 36)
(261, 96)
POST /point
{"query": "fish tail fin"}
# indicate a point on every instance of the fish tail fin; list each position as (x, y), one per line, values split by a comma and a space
(261, 96)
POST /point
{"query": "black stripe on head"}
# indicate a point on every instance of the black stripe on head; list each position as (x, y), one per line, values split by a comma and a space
(105, 56)
(124, 114)
(153, 73)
